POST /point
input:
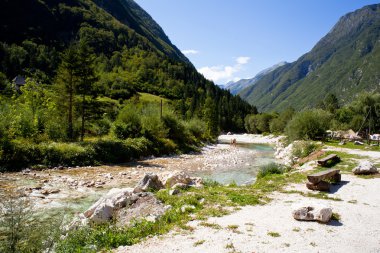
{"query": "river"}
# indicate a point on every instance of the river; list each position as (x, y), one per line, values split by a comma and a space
(74, 189)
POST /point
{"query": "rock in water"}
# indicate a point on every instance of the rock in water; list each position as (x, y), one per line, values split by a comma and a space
(149, 182)
(365, 167)
(321, 214)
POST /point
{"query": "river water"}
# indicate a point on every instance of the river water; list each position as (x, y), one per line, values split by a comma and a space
(75, 189)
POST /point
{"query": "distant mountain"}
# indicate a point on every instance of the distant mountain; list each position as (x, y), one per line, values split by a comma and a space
(344, 62)
(236, 87)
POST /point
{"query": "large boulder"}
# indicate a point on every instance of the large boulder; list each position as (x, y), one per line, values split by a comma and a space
(365, 168)
(103, 210)
(176, 178)
(321, 214)
(146, 207)
(149, 182)
(179, 179)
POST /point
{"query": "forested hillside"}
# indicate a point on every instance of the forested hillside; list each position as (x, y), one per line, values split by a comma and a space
(345, 62)
(87, 65)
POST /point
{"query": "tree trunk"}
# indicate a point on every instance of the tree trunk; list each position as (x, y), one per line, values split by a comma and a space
(83, 116)
(70, 133)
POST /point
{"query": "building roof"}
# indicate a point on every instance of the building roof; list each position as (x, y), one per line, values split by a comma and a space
(19, 80)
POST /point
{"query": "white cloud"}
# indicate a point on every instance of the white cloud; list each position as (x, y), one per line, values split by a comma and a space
(222, 73)
(190, 51)
(243, 60)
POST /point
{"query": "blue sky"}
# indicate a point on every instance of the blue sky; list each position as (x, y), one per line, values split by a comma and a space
(233, 39)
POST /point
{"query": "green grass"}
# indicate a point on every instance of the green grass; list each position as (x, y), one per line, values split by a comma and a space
(335, 216)
(273, 234)
(200, 242)
(351, 145)
(150, 98)
(318, 195)
(211, 225)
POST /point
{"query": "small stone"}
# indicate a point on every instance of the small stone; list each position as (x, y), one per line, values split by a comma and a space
(321, 214)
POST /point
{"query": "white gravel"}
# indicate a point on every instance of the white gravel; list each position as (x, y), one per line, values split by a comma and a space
(357, 231)
(250, 138)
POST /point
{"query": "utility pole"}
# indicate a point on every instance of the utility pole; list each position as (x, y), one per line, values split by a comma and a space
(369, 126)
(161, 110)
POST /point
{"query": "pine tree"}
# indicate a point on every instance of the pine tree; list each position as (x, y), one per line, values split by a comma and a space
(67, 81)
(86, 78)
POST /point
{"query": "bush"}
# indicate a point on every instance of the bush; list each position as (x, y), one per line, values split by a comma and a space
(23, 231)
(197, 128)
(128, 123)
(271, 168)
(67, 154)
(308, 125)
(177, 131)
(303, 148)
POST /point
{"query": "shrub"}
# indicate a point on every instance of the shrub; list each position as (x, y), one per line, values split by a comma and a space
(128, 123)
(271, 168)
(23, 231)
(303, 148)
(177, 131)
(308, 125)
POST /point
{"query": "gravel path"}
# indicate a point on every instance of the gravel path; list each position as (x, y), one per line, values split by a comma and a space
(357, 231)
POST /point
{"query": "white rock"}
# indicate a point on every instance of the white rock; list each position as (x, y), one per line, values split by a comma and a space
(177, 177)
(102, 213)
(321, 214)
(365, 167)
(115, 198)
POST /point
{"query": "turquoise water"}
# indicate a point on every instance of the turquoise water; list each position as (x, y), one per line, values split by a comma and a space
(245, 170)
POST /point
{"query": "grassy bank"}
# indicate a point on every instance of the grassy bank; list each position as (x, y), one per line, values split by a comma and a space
(214, 200)
(16, 155)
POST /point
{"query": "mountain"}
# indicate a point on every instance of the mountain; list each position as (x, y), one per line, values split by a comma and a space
(345, 62)
(57, 22)
(236, 87)
(131, 51)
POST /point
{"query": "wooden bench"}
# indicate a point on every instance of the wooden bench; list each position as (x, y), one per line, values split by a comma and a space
(316, 180)
(332, 157)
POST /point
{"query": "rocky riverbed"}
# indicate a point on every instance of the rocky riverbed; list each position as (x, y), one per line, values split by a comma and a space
(77, 188)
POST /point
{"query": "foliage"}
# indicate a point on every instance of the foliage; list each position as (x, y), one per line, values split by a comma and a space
(308, 125)
(258, 123)
(271, 168)
(21, 230)
(304, 148)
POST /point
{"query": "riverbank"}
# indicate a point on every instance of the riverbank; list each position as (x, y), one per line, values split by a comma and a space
(271, 227)
(76, 188)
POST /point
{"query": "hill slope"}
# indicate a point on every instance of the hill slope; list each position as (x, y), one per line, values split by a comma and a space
(132, 54)
(345, 62)
(236, 87)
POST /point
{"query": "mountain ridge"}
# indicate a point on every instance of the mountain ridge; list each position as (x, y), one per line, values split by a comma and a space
(343, 62)
(236, 87)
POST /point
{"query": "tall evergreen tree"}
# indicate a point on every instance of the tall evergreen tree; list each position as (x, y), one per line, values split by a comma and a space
(67, 80)
(86, 78)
